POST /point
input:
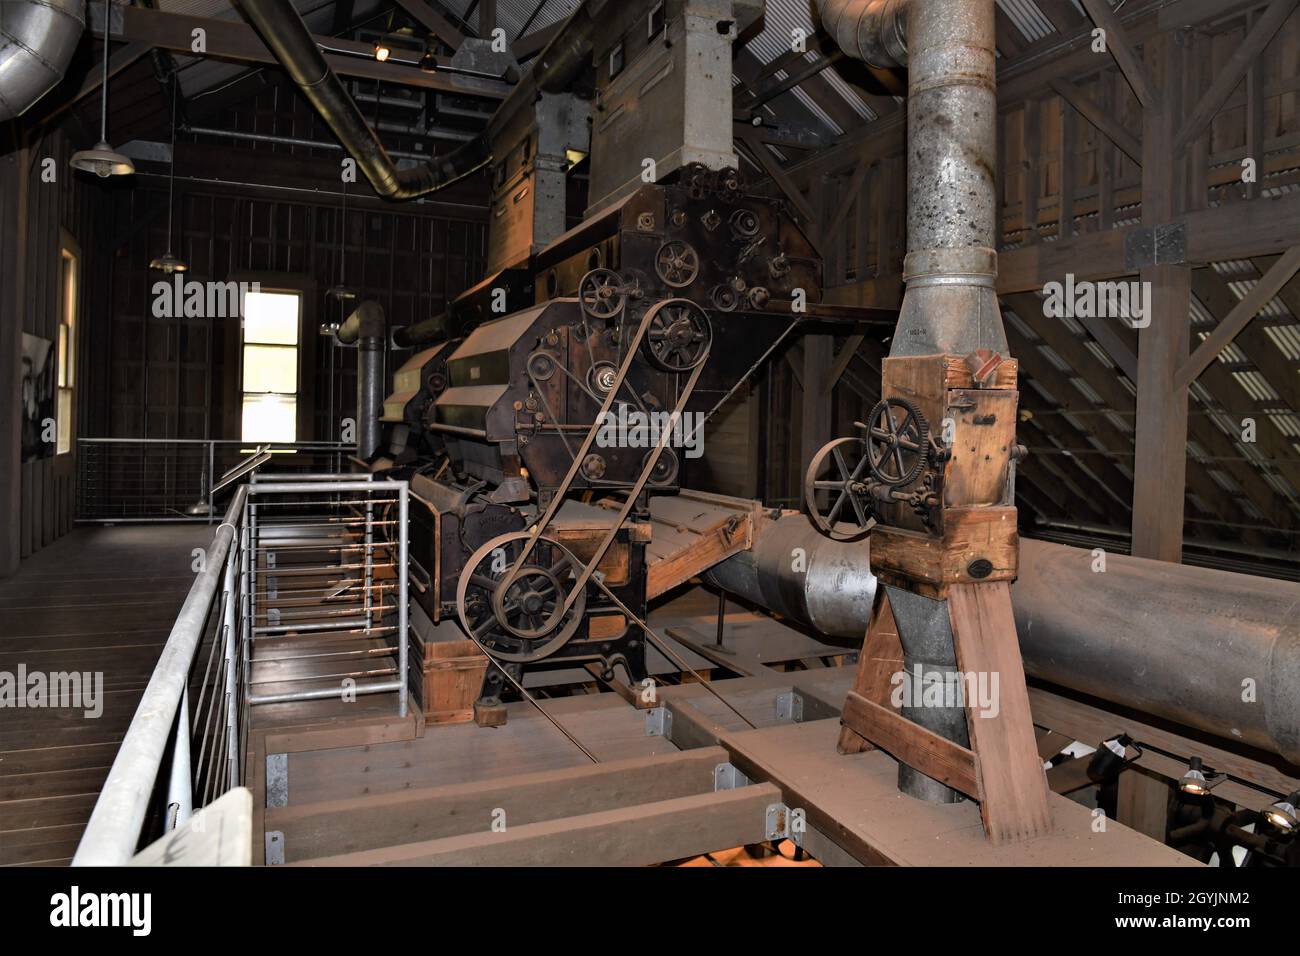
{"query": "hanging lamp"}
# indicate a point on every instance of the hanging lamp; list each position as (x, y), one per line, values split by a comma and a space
(102, 159)
(168, 262)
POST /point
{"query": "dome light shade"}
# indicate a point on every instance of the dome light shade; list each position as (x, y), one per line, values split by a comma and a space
(428, 62)
(168, 263)
(1283, 813)
(103, 161)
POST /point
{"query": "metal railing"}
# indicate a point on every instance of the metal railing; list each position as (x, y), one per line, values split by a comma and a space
(321, 557)
(122, 480)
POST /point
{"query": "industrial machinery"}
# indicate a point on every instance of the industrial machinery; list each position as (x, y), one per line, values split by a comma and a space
(598, 389)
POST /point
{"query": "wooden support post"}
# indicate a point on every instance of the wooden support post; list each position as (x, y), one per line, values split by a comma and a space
(1143, 803)
(1160, 465)
(815, 419)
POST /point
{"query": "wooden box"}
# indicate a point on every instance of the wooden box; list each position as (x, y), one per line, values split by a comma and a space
(453, 678)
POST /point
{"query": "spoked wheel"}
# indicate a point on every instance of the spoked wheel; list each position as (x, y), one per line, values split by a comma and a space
(898, 442)
(520, 620)
(679, 335)
(839, 472)
(600, 294)
(677, 263)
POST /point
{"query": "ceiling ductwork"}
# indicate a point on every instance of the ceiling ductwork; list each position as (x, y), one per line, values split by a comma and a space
(291, 42)
(37, 40)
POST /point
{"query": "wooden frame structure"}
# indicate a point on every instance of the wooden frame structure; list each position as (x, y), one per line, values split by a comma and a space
(1149, 136)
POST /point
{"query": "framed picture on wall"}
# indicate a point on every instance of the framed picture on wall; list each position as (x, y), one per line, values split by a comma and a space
(37, 397)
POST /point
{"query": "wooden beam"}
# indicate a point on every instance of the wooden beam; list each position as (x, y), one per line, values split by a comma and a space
(639, 835)
(407, 816)
(117, 62)
(842, 361)
(951, 764)
(1125, 54)
(1231, 73)
(238, 42)
(1264, 291)
(1100, 118)
(433, 21)
(763, 156)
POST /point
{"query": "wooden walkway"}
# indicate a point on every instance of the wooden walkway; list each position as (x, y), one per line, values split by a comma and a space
(99, 600)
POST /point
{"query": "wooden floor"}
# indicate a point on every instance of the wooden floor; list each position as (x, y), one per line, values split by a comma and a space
(383, 792)
(99, 600)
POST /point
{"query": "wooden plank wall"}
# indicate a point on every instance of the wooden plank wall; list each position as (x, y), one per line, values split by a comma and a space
(36, 214)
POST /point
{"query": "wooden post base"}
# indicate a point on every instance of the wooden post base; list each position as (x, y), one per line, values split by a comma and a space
(1001, 769)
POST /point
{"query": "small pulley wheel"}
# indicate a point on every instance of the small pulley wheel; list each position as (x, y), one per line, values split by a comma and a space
(898, 442)
(835, 490)
(679, 335)
(677, 263)
(601, 295)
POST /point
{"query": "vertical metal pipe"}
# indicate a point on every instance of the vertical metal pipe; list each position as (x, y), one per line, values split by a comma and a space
(179, 793)
(212, 477)
(370, 393)
(403, 499)
(950, 305)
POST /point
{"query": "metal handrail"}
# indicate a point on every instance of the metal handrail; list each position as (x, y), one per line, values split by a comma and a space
(114, 829)
(226, 590)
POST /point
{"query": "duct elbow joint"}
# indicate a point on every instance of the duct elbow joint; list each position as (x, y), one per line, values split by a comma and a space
(874, 31)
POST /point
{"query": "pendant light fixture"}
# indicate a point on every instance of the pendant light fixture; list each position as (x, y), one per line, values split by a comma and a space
(168, 262)
(103, 160)
(341, 292)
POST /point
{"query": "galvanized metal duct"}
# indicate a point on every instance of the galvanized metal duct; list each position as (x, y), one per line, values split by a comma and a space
(37, 40)
(289, 40)
(367, 328)
(951, 265)
(1208, 649)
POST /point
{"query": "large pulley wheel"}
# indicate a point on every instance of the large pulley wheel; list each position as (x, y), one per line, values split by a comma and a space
(600, 294)
(898, 442)
(837, 475)
(677, 263)
(520, 619)
(679, 335)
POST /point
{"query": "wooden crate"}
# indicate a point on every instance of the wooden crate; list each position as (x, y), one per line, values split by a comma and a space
(453, 677)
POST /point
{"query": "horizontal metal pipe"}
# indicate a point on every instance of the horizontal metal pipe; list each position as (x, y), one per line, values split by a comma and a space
(1209, 649)
(326, 693)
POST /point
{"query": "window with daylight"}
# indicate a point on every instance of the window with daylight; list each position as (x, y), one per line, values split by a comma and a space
(270, 366)
(67, 347)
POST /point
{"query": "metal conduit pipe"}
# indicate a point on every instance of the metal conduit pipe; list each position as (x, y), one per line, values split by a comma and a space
(1170, 640)
(366, 328)
(37, 40)
(289, 40)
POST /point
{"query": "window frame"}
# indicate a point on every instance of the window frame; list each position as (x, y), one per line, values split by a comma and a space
(300, 295)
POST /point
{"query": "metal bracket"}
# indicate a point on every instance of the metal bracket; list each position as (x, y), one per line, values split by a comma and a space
(658, 722)
(1158, 246)
(274, 848)
(727, 776)
(789, 707)
(780, 824)
(270, 559)
(277, 780)
(273, 615)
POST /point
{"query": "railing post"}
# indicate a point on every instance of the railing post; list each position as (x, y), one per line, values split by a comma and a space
(403, 647)
(180, 789)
